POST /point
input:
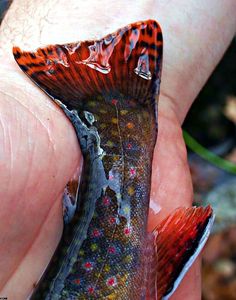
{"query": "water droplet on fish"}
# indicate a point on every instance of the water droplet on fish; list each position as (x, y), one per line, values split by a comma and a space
(89, 117)
(99, 57)
(142, 68)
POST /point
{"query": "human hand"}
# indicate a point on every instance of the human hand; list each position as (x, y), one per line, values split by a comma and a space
(36, 136)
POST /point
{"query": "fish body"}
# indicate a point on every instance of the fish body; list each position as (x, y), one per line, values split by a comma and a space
(108, 89)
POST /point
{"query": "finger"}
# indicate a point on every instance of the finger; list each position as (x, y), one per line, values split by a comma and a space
(172, 188)
(35, 166)
(22, 279)
(171, 181)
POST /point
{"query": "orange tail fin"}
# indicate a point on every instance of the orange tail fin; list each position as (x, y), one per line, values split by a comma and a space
(128, 61)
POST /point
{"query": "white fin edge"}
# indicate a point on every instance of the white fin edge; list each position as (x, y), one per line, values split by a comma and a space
(191, 260)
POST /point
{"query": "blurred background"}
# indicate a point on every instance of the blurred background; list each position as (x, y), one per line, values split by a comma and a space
(210, 135)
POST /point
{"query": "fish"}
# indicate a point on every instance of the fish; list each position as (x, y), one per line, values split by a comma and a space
(108, 88)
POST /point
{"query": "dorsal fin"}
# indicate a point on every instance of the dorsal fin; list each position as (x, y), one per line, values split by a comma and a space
(127, 61)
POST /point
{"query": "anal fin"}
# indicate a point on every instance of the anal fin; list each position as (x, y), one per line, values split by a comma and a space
(178, 240)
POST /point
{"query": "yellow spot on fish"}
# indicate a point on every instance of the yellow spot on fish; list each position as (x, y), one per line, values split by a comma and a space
(116, 157)
(100, 259)
(112, 296)
(130, 191)
(127, 259)
(126, 209)
(103, 111)
(94, 247)
(103, 125)
(114, 120)
(81, 252)
(114, 132)
(110, 143)
(92, 103)
(123, 112)
(124, 280)
(107, 268)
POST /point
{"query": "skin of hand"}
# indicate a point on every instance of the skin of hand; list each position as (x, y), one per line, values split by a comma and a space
(39, 151)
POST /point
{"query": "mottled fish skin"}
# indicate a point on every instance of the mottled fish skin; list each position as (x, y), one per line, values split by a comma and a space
(108, 90)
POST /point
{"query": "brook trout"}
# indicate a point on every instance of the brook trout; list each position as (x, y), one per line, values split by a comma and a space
(108, 88)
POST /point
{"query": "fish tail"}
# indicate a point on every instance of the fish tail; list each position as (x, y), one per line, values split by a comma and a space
(127, 61)
(173, 247)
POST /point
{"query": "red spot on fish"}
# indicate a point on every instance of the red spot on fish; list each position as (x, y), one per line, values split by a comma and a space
(111, 281)
(90, 290)
(88, 265)
(111, 177)
(129, 146)
(112, 250)
(132, 171)
(96, 233)
(106, 201)
(77, 281)
(112, 220)
(114, 101)
(130, 125)
(127, 231)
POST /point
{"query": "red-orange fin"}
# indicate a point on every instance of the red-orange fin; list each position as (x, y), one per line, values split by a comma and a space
(127, 61)
(179, 239)
(69, 200)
